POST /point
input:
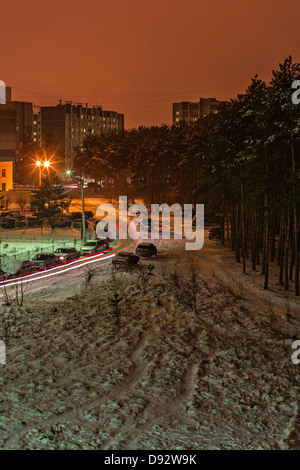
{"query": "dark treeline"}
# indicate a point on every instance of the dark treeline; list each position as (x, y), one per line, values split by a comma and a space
(242, 162)
(157, 163)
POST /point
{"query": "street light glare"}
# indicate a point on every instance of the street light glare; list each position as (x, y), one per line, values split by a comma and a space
(46, 164)
(38, 163)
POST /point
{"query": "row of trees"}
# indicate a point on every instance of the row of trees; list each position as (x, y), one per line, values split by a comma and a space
(251, 173)
(157, 163)
(242, 162)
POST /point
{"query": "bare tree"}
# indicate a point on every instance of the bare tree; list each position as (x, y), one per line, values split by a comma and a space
(21, 201)
(89, 275)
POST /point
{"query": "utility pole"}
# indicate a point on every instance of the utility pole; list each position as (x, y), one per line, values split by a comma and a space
(81, 183)
(83, 236)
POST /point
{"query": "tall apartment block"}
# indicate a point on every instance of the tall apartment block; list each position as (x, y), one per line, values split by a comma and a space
(16, 122)
(71, 123)
(191, 111)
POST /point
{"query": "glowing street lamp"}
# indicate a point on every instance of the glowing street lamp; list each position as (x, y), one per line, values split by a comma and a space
(39, 164)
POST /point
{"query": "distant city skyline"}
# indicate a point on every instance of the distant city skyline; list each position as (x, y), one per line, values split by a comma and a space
(140, 57)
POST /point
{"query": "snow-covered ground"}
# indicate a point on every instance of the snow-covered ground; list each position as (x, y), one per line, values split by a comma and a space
(196, 362)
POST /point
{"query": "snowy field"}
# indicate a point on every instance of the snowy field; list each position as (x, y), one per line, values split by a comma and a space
(200, 359)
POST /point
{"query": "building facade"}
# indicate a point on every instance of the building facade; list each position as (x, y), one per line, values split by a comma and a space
(16, 122)
(191, 111)
(70, 124)
(6, 176)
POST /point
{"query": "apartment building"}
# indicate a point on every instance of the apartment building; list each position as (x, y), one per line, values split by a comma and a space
(70, 123)
(16, 122)
(6, 176)
(191, 111)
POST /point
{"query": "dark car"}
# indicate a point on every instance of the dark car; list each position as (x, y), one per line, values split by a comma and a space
(78, 215)
(62, 221)
(34, 221)
(94, 246)
(88, 214)
(215, 233)
(79, 223)
(44, 260)
(25, 268)
(7, 222)
(75, 215)
(13, 222)
(146, 250)
(66, 254)
(15, 215)
(5, 214)
(125, 260)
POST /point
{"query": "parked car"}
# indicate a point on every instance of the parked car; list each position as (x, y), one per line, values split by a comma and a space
(146, 250)
(62, 220)
(44, 260)
(8, 223)
(3, 275)
(5, 214)
(78, 215)
(75, 215)
(34, 221)
(66, 254)
(88, 214)
(15, 215)
(94, 246)
(25, 268)
(13, 222)
(78, 224)
(215, 233)
(125, 260)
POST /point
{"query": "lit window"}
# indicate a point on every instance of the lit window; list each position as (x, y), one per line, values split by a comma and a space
(177, 113)
(3, 173)
(177, 119)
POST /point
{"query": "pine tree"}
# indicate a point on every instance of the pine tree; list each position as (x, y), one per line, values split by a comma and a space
(50, 198)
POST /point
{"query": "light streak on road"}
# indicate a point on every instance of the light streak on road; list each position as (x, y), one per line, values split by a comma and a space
(63, 268)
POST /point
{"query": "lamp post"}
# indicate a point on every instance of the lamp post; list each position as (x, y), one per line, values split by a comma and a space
(81, 182)
(39, 164)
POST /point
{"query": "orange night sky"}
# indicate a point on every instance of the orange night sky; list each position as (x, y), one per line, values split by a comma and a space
(137, 56)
